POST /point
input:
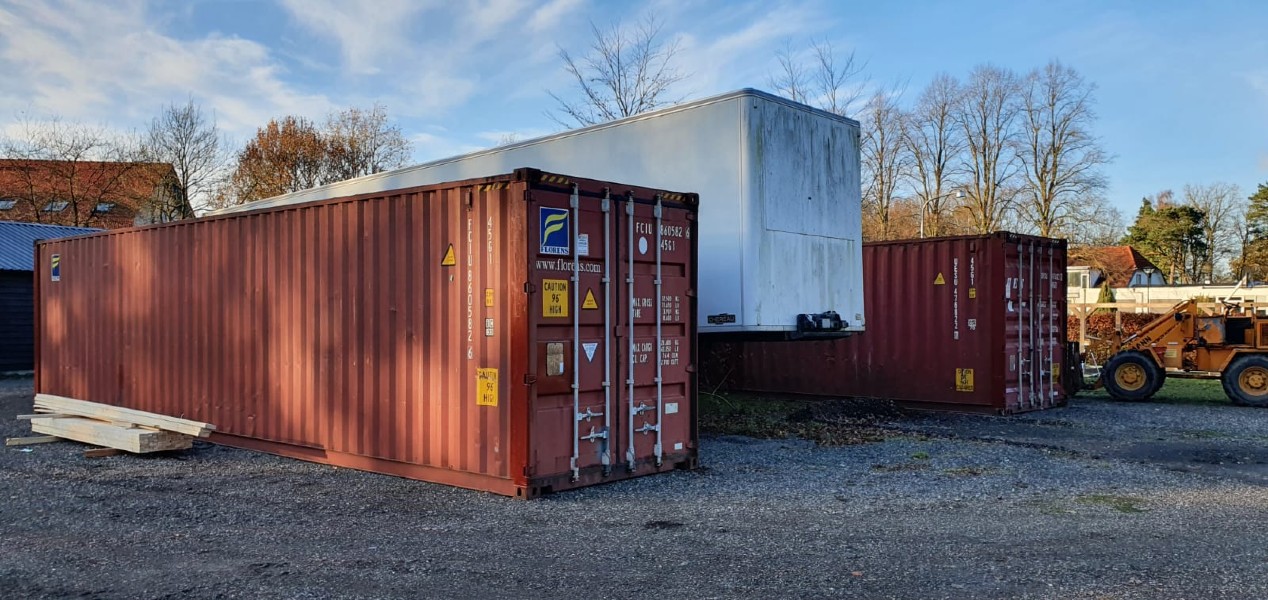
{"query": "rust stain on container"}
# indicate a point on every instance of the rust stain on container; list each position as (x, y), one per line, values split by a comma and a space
(404, 332)
(962, 323)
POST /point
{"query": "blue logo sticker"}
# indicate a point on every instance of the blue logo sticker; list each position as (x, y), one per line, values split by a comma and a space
(556, 238)
(55, 266)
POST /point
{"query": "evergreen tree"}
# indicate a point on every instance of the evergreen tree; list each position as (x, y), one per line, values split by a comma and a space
(1171, 237)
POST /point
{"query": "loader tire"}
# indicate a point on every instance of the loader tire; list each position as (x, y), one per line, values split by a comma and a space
(1246, 380)
(1132, 376)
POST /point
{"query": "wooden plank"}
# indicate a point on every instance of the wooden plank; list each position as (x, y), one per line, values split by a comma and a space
(23, 441)
(106, 412)
(102, 452)
(44, 416)
(99, 433)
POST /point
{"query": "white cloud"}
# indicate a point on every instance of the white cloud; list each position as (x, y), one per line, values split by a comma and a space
(430, 146)
(742, 53)
(552, 15)
(107, 61)
(367, 31)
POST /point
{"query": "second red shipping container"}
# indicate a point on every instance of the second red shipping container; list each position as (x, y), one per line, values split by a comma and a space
(973, 323)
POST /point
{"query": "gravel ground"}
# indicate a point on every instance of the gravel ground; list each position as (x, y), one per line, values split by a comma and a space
(1070, 503)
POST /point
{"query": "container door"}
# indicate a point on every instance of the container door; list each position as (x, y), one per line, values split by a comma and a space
(572, 351)
(654, 325)
(613, 333)
(1032, 345)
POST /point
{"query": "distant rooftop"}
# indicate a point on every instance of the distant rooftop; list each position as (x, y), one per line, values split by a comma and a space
(1116, 263)
(17, 242)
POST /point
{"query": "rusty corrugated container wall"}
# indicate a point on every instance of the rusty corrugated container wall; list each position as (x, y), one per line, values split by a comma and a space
(964, 323)
(436, 332)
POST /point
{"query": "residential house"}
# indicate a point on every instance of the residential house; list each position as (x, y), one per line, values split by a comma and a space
(1120, 266)
(107, 195)
(17, 297)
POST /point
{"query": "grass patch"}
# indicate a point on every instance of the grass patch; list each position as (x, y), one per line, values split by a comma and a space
(830, 422)
(920, 456)
(1177, 391)
(1123, 504)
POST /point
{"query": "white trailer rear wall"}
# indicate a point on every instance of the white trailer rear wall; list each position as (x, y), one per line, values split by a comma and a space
(780, 223)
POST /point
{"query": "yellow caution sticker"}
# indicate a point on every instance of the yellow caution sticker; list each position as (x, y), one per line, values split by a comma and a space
(488, 297)
(1056, 369)
(554, 297)
(972, 292)
(486, 387)
(450, 258)
(964, 380)
(589, 303)
(939, 280)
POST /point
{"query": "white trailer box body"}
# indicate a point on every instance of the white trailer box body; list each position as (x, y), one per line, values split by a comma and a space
(780, 223)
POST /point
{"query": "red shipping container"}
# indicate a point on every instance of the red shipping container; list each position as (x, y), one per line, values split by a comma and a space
(517, 334)
(975, 323)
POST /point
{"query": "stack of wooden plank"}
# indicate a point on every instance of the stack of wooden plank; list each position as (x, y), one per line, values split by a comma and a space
(113, 426)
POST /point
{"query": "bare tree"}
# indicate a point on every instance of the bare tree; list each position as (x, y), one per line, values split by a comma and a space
(188, 140)
(791, 81)
(934, 143)
(824, 79)
(1061, 157)
(884, 158)
(1093, 222)
(65, 173)
(987, 113)
(1222, 204)
(626, 72)
(363, 142)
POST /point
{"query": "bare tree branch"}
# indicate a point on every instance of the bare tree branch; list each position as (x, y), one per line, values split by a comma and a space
(188, 140)
(1062, 158)
(987, 113)
(626, 72)
(934, 143)
(1222, 204)
(823, 79)
(363, 142)
(884, 158)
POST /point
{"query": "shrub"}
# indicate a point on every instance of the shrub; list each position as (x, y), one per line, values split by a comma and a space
(1101, 325)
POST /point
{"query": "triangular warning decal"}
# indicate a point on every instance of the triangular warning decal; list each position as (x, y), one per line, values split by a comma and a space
(589, 302)
(589, 347)
(939, 280)
(450, 260)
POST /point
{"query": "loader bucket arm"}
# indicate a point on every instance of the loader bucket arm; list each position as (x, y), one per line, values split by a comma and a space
(1167, 327)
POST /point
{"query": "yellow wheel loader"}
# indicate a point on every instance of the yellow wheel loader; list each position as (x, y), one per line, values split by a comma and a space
(1188, 342)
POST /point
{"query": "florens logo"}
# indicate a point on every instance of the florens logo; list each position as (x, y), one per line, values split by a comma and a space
(555, 235)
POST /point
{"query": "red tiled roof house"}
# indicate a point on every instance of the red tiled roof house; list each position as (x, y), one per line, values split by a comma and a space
(109, 195)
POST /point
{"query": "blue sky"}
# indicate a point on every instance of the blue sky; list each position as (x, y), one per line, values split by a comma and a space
(1182, 98)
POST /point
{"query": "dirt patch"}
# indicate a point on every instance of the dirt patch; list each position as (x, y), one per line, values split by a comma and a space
(828, 421)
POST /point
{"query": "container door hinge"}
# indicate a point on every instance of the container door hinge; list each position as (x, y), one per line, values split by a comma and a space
(529, 288)
(530, 379)
(528, 196)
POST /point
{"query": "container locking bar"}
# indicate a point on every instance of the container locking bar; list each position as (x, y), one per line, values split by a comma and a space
(574, 203)
(660, 349)
(606, 454)
(633, 347)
